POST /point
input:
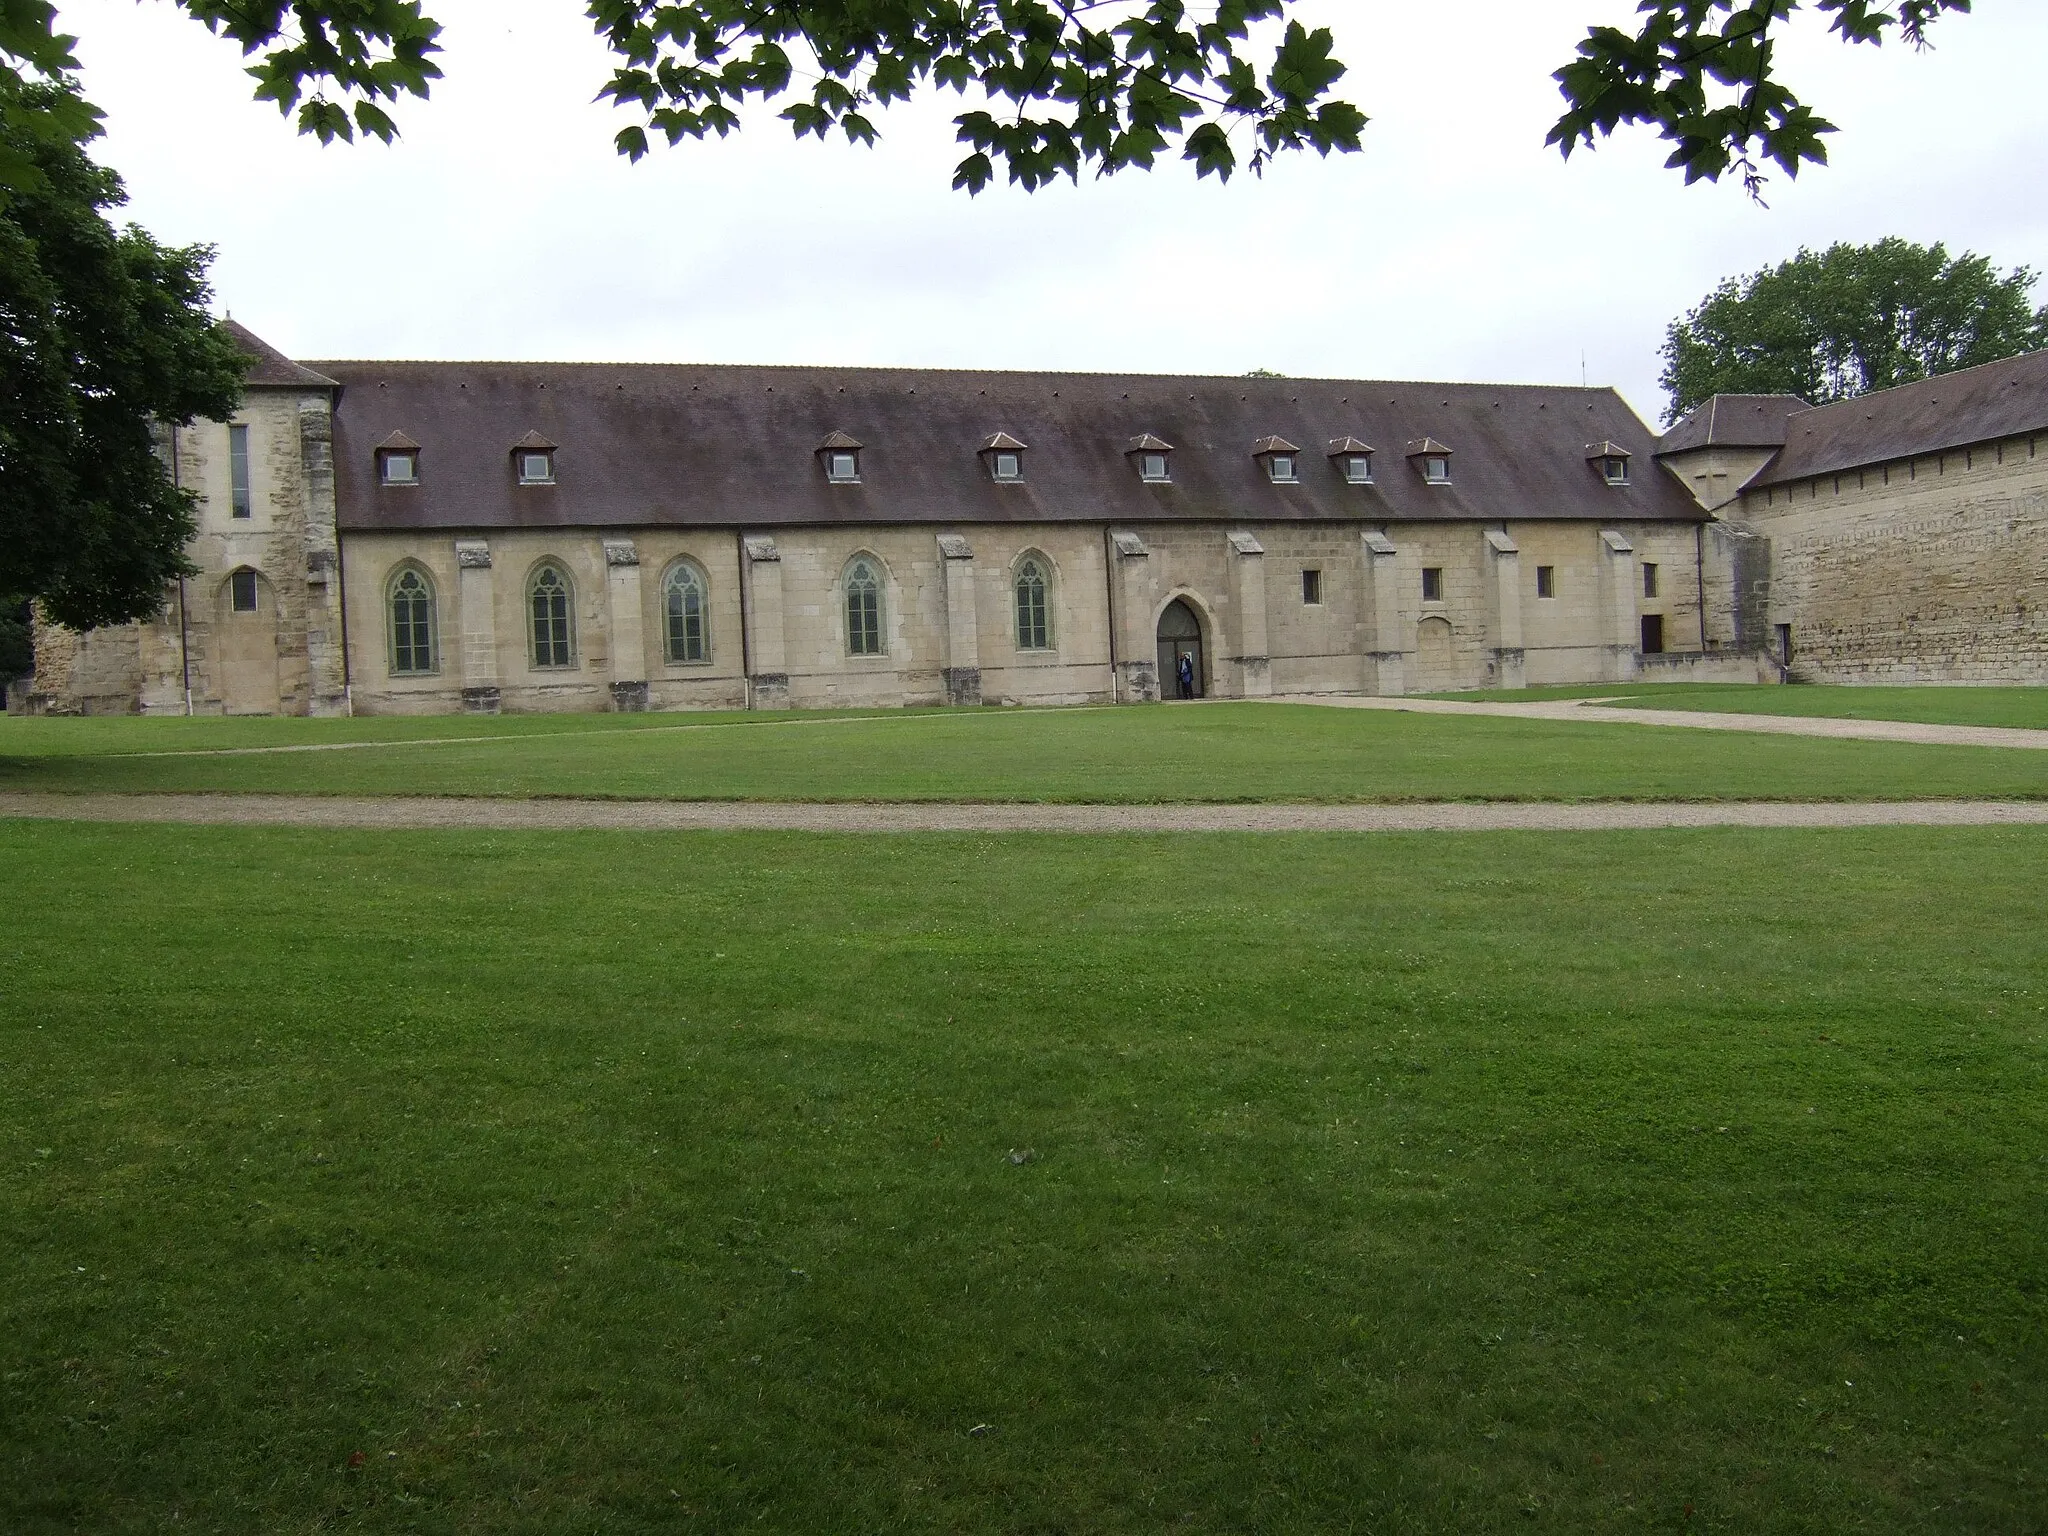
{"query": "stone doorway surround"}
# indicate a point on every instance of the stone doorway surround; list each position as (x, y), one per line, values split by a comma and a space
(1180, 634)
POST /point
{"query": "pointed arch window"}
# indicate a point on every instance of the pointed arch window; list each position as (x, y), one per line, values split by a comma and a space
(413, 649)
(1034, 615)
(863, 608)
(685, 629)
(550, 617)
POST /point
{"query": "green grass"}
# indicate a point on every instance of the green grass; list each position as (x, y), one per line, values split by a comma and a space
(1510, 1182)
(2024, 707)
(1210, 752)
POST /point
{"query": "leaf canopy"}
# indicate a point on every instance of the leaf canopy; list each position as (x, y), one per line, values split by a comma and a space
(1850, 319)
(1054, 86)
(107, 336)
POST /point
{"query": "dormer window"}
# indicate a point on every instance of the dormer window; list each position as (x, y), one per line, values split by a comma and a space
(1433, 459)
(840, 455)
(1151, 454)
(1277, 454)
(1004, 456)
(398, 460)
(1353, 460)
(533, 459)
(1611, 460)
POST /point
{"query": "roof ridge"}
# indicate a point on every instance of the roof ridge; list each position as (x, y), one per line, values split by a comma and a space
(1060, 373)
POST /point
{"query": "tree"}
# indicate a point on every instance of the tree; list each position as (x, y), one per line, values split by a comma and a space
(1849, 320)
(1105, 84)
(17, 644)
(106, 334)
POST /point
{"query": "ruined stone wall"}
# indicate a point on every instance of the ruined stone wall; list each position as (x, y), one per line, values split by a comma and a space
(284, 658)
(1930, 570)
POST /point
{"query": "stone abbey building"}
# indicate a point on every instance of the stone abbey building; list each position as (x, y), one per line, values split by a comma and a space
(388, 537)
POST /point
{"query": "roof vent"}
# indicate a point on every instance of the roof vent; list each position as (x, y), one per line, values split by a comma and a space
(839, 455)
(533, 456)
(1352, 458)
(1150, 454)
(1004, 456)
(1611, 459)
(1432, 458)
(1278, 456)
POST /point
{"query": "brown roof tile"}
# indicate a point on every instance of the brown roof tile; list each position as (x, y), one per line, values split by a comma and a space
(1952, 410)
(1733, 421)
(687, 445)
(268, 366)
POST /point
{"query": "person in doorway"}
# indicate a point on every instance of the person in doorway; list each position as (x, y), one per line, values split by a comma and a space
(1184, 669)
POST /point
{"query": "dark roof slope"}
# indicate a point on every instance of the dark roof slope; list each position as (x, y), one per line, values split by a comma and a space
(1733, 421)
(267, 365)
(1952, 410)
(653, 444)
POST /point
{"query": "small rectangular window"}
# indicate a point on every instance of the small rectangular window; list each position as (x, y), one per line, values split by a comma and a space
(842, 466)
(1546, 581)
(1358, 469)
(1281, 467)
(1436, 469)
(1009, 466)
(1152, 466)
(1649, 580)
(242, 591)
(238, 471)
(1432, 583)
(401, 468)
(1616, 471)
(536, 469)
(1312, 587)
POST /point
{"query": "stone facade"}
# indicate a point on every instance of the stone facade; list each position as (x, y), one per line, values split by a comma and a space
(776, 613)
(1931, 567)
(201, 654)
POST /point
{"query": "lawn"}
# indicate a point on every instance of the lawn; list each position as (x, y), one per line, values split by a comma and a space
(458, 1181)
(2024, 707)
(1235, 751)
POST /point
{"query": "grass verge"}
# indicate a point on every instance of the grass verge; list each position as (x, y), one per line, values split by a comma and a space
(1219, 752)
(527, 1183)
(2023, 707)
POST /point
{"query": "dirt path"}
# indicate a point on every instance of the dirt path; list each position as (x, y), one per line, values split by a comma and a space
(671, 815)
(1702, 720)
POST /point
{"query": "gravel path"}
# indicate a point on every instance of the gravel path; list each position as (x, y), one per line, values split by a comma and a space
(672, 815)
(1701, 720)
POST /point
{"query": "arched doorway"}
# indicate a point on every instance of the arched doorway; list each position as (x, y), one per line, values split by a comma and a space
(1180, 634)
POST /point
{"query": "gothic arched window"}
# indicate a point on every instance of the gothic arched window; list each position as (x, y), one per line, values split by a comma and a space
(686, 634)
(412, 623)
(1034, 624)
(550, 617)
(863, 608)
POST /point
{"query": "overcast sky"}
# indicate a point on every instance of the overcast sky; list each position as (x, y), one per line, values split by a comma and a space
(1456, 246)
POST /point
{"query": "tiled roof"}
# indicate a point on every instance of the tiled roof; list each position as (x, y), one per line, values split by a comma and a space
(659, 444)
(268, 366)
(1951, 410)
(1733, 421)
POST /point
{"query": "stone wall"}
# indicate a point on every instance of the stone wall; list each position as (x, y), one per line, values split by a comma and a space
(776, 612)
(286, 657)
(1931, 570)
